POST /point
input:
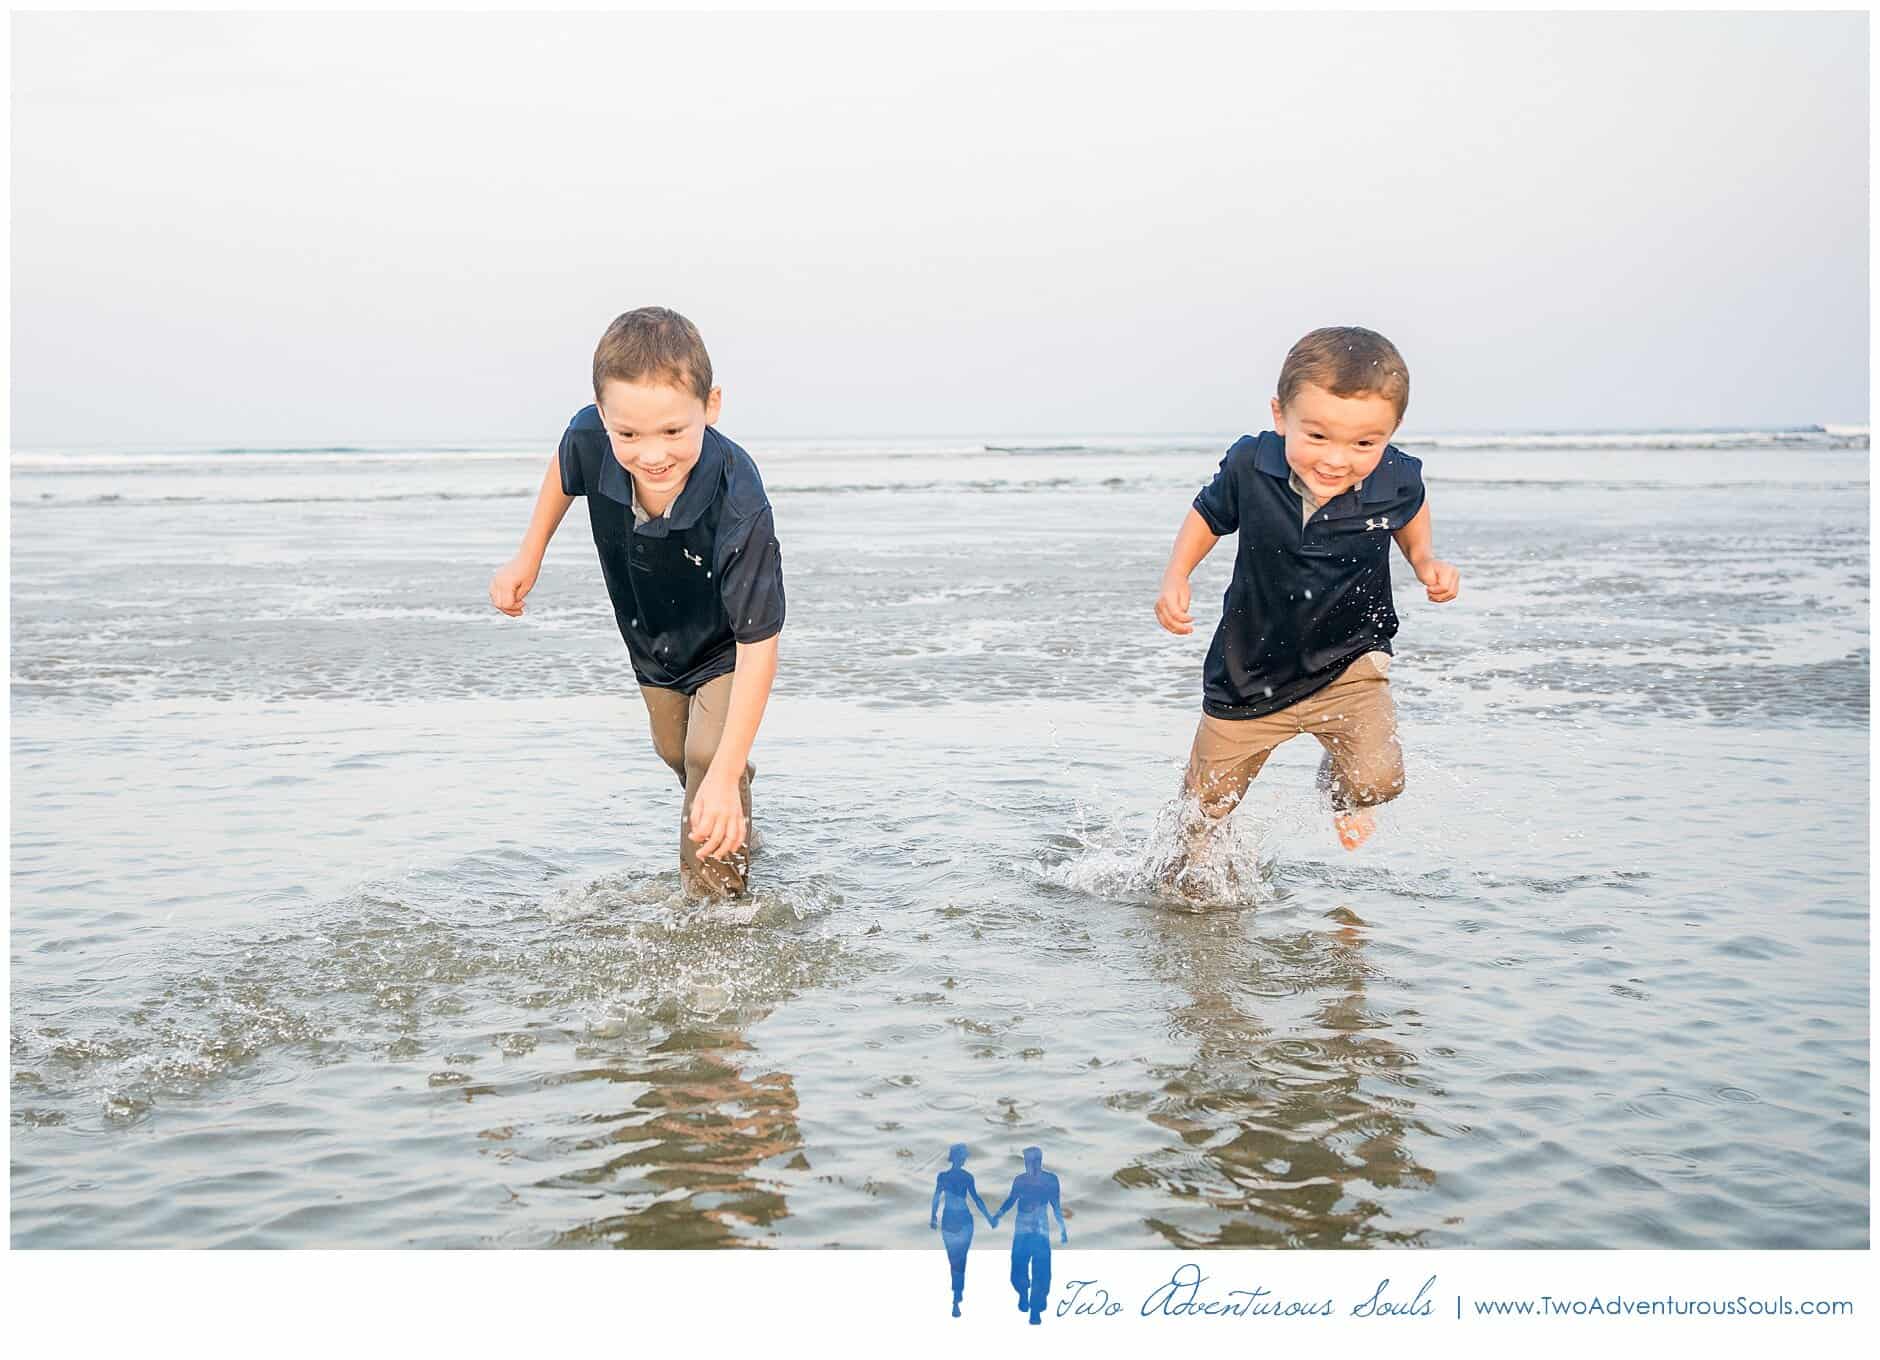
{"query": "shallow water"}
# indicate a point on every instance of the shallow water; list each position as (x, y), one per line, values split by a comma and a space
(345, 912)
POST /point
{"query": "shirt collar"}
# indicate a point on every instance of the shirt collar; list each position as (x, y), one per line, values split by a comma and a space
(1381, 486)
(1269, 455)
(701, 487)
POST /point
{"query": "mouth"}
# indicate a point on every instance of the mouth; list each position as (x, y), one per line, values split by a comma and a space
(655, 473)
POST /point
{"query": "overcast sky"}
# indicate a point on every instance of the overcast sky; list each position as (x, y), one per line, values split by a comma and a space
(311, 229)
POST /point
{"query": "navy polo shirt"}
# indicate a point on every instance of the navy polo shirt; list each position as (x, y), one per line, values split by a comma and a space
(1306, 600)
(688, 586)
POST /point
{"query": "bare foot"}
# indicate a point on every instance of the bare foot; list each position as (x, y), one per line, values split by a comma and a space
(1354, 828)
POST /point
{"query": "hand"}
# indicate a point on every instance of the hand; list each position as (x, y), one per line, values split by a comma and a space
(718, 816)
(933, 1223)
(993, 1221)
(1440, 579)
(1171, 606)
(514, 579)
(1064, 1237)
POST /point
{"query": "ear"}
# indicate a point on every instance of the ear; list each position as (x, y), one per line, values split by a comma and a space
(713, 400)
(1279, 419)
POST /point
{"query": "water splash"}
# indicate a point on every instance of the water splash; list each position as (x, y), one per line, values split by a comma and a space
(1175, 865)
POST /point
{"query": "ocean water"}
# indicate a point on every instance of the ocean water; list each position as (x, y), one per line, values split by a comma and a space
(345, 910)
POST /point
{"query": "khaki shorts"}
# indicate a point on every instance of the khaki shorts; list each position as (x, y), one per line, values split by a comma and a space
(1352, 717)
(686, 732)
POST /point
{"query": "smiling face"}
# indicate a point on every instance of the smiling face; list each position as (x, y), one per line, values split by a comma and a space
(1333, 443)
(656, 430)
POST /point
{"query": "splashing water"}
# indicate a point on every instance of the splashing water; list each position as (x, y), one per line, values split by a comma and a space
(1178, 864)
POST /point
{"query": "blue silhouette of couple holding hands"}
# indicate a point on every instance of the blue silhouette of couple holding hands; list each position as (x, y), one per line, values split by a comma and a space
(1034, 1192)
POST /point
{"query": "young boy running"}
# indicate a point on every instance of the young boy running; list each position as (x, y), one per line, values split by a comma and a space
(1304, 639)
(691, 561)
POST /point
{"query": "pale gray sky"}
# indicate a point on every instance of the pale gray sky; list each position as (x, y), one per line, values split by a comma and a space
(310, 229)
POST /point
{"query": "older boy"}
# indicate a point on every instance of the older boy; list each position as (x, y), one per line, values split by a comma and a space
(1304, 639)
(690, 558)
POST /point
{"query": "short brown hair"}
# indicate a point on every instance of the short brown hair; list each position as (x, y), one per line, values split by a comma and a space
(653, 342)
(1347, 361)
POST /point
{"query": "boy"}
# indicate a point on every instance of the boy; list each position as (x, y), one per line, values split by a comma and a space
(1304, 639)
(690, 558)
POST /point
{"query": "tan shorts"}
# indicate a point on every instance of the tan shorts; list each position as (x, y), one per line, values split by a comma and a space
(1352, 717)
(686, 732)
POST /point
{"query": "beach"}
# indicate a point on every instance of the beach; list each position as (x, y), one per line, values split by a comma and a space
(345, 910)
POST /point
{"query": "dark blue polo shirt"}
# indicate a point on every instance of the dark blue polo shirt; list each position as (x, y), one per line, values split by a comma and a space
(1305, 601)
(688, 586)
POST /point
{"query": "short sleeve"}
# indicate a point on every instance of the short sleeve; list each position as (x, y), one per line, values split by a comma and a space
(750, 577)
(1219, 501)
(572, 482)
(1409, 487)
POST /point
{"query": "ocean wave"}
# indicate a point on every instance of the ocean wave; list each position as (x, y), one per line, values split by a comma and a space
(49, 501)
(1805, 436)
(782, 454)
(118, 460)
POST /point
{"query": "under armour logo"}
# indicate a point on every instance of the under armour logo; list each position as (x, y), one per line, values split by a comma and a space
(695, 561)
(1381, 522)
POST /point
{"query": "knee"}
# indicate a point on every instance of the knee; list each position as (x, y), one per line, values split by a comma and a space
(1211, 794)
(1378, 783)
(669, 746)
(697, 757)
(673, 756)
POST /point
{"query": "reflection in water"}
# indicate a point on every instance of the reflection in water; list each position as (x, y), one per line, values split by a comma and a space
(1281, 1125)
(484, 1042)
(687, 1161)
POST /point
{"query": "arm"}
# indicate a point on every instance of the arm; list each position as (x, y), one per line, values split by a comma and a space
(1064, 1233)
(717, 810)
(1194, 541)
(1440, 579)
(1003, 1207)
(933, 1210)
(516, 577)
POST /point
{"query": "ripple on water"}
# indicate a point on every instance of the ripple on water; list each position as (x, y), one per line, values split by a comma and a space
(395, 974)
